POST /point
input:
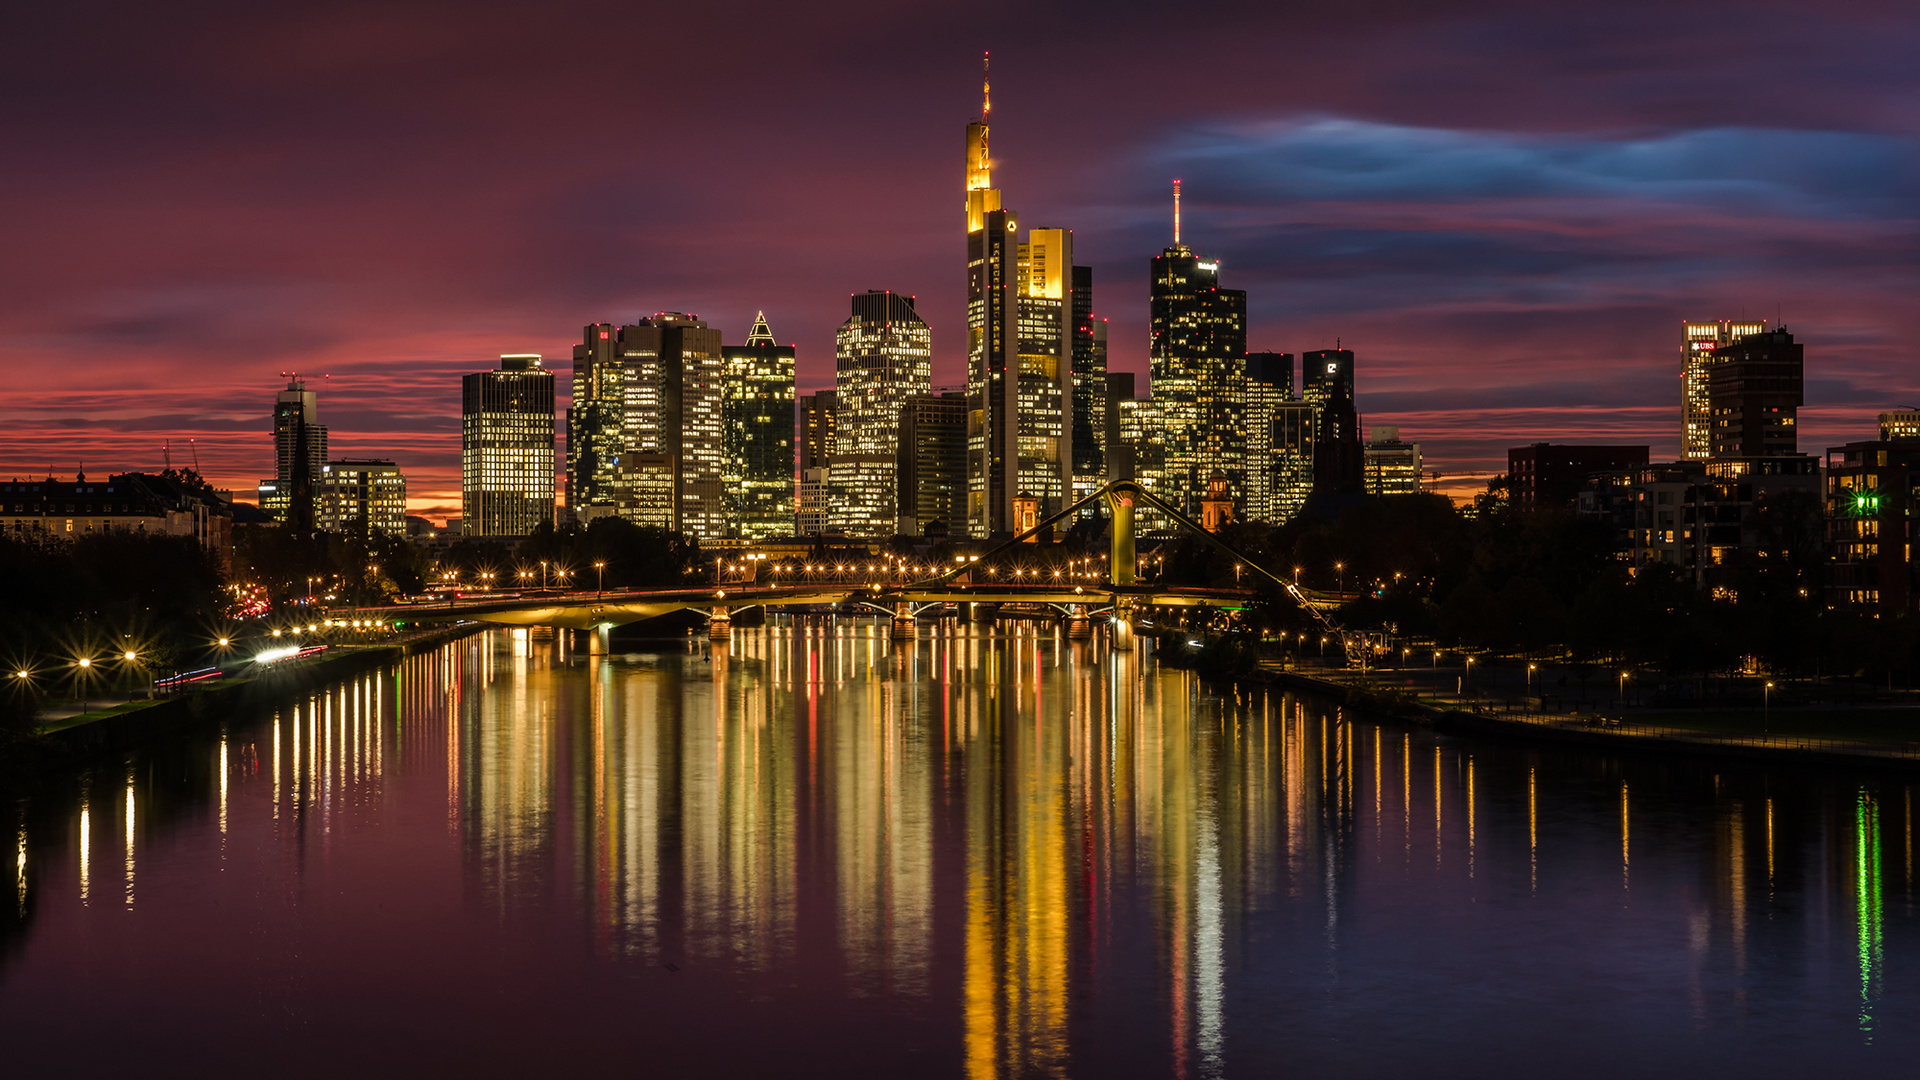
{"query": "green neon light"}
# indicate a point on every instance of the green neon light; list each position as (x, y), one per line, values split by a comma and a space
(1868, 906)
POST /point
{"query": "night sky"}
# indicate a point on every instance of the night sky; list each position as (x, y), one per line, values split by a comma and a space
(1506, 209)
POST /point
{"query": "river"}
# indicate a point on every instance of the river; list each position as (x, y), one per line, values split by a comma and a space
(987, 853)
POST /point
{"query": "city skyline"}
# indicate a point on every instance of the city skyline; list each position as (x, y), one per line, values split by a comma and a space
(1507, 270)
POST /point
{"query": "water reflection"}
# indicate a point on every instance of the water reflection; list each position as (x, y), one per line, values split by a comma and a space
(1053, 858)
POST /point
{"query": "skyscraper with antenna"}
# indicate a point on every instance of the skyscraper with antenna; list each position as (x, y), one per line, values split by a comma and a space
(1197, 370)
(1021, 337)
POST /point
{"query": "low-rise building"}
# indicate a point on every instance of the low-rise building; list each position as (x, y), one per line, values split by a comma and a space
(165, 504)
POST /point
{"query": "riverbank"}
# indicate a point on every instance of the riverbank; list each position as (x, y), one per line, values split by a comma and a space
(130, 724)
(1712, 734)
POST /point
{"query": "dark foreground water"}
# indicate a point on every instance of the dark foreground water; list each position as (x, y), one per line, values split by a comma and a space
(974, 856)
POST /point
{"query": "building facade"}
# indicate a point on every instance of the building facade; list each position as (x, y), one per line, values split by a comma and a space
(1197, 355)
(932, 467)
(1280, 430)
(672, 455)
(164, 504)
(363, 496)
(1327, 380)
(1870, 514)
(817, 430)
(1553, 474)
(506, 448)
(883, 355)
(1089, 388)
(757, 427)
(299, 455)
(810, 516)
(1755, 387)
(1900, 425)
(1698, 343)
(1023, 300)
(1391, 466)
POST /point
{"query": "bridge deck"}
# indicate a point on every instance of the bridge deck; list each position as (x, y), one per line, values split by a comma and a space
(581, 610)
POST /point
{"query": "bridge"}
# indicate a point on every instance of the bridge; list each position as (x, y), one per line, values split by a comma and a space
(1118, 597)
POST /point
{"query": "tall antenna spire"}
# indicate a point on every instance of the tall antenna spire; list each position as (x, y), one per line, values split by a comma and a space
(1176, 211)
(986, 86)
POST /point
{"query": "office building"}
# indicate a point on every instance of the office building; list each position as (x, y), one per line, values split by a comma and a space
(506, 448)
(299, 454)
(810, 515)
(360, 497)
(932, 468)
(1119, 450)
(1698, 342)
(883, 355)
(1280, 431)
(1552, 475)
(1900, 425)
(1089, 388)
(757, 427)
(1390, 465)
(817, 430)
(1755, 387)
(672, 453)
(595, 419)
(1870, 510)
(1020, 353)
(1327, 380)
(1197, 356)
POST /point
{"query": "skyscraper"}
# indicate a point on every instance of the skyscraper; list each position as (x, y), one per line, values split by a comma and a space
(1326, 377)
(1089, 388)
(594, 421)
(1197, 361)
(883, 355)
(758, 435)
(1020, 353)
(506, 448)
(1755, 386)
(817, 430)
(1697, 344)
(1280, 432)
(932, 469)
(299, 455)
(672, 452)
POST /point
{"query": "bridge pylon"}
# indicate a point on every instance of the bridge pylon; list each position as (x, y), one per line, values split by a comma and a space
(904, 628)
(720, 623)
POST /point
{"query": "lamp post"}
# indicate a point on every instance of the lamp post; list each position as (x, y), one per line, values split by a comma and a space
(600, 569)
(1623, 690)
(1340, 568)
(1766, 709)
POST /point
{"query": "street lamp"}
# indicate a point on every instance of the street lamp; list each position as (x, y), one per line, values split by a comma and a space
(1340, 568)
(1531, 668)
(1623, 690)
(600, 568)
(1766, 709)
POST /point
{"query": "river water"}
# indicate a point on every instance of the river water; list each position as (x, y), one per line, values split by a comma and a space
(982, 854)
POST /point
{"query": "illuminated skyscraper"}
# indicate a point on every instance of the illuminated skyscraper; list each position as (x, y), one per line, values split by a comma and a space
(1326, 377)
(1697, 344)
(1279, 440)
(1020, 353)
(1089, 388)
(758, 435)
(817, 430)
(299, 455)
(594, 420)
(1197, 360)
(506, 448)
(671, 455)
(883, 355)
(932, 470)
